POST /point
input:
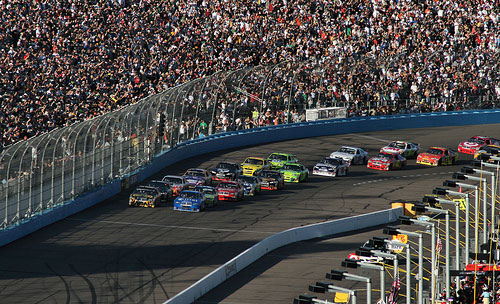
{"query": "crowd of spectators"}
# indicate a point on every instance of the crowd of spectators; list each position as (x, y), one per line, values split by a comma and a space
(64, 61)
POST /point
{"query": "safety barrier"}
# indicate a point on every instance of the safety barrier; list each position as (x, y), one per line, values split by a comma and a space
(278, 240)
(250, 137)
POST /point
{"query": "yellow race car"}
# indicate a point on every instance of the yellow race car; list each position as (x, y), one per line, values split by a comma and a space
(486, 151)
(253, 165)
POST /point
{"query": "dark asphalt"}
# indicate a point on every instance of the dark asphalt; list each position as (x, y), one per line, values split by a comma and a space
(114, 254)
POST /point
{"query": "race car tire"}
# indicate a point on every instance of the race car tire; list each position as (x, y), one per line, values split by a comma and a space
(440, 162)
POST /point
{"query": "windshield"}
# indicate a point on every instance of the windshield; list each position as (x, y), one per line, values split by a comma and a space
(271, 174)
(476, 140)
(247, 179)
(195, 173)
(292, 168)
(435, 151)
(159, 185)
(253, 161)
(331, 161)
(385, 155)
(277, 157)
(226, 166)
(204, 190)
(195, 195)
(142, 191)
(347, 150)
(397, 145)
(173, 180)
(227, 185)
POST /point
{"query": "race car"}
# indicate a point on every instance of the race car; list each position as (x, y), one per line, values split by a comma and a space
(331, 167)
(230, 190)
(178, 183)
(187, 200)
(251, 184)
(253, 165)
(387, 161)
(226, 171)
(437, 156)
(272, 180)
(144, 196)
(407, 149)
(294, 172)
(475, 143)
(277, 160)
(164, 188)
(210, 194)
(198, 177)
(365, 259)
(352, 155)
(486, 151)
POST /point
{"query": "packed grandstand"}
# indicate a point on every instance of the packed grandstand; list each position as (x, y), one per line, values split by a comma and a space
(68, 61)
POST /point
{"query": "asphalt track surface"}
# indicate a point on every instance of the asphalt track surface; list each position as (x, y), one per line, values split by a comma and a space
(115, 254)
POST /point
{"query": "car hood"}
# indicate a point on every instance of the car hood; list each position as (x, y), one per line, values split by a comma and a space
(469, 144)
(181, 200)
(379, 159)
(342, 154)
(392, 150)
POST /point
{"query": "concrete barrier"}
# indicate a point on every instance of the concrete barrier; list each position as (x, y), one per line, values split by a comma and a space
(278, 240)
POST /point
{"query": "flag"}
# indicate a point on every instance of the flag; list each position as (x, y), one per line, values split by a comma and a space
(439, 245)
(394, 295)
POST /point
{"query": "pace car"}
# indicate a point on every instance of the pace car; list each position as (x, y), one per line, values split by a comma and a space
(198, 177)
(272, 180)
(187, 200)
(474, 143)
(331, 167)
(251, 184)
(164, 188)
(277, 160)
(294, 172)
(230, 190)
(387, 161)
(437, 156)
(210, 194)
(178, 183)
(226, 171)
(253, 165)
(352, 155)
(486, 151)
(144, 196)
(407, 149)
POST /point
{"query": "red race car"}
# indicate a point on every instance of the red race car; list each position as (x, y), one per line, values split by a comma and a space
(437, 156)
(387, 161)
(230, 190)
(473, 144)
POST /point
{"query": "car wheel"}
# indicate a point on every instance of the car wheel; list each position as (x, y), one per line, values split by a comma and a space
(440, 162)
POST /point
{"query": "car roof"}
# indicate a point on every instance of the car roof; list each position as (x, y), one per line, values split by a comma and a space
(159, 181)
(196, 169)
(254, 157)
(440, 148)
(351, 147)
(227, 162)
(145, 188)
(176, 176)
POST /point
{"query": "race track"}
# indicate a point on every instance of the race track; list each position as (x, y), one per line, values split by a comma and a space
(115, 254)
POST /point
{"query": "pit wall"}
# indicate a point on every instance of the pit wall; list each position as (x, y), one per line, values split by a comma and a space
(243, 138)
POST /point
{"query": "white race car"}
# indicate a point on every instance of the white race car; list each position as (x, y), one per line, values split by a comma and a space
(352, 155)
(331, 167)
(407, 149)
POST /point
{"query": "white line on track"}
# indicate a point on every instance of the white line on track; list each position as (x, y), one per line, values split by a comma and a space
(400, 177)
(171, 226)
(372, 138)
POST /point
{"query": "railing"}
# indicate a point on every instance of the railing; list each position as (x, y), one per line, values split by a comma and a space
(56, 167)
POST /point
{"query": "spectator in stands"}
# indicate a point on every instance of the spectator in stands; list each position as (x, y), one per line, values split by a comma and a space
(66, 61)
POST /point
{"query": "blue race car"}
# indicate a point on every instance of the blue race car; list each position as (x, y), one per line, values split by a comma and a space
(193, 201)
(210, 194)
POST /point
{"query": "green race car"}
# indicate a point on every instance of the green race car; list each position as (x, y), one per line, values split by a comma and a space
(294, 172)
(277, 160)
